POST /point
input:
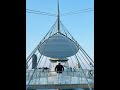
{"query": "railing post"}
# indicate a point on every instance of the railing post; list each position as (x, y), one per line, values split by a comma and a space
(58, 77)
(47, 76)
(44, 76)
(70, 77)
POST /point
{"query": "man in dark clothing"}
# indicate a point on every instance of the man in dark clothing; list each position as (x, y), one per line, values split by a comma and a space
(59, 68)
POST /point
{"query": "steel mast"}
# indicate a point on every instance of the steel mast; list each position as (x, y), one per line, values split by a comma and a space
(58, 17)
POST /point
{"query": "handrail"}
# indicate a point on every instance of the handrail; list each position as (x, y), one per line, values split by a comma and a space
(52, 77)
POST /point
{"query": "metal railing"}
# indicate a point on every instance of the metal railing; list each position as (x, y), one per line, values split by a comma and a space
(52, 77)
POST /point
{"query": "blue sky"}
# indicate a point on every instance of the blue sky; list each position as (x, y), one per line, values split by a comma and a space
(81, 25)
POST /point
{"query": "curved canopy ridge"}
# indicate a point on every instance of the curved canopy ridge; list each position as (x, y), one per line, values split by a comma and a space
(58, 46)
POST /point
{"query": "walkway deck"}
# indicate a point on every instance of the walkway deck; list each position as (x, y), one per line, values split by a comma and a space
(51, 80)
(60, 86)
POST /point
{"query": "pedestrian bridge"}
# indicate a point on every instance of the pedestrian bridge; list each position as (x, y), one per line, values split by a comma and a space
(47, 79)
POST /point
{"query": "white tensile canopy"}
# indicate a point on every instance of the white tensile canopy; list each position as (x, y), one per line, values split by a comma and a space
(58, 46)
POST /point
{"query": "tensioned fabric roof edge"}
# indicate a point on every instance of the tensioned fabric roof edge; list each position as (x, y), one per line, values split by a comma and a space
(61, 34)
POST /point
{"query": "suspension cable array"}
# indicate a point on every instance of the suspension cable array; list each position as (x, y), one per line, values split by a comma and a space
(82, 58)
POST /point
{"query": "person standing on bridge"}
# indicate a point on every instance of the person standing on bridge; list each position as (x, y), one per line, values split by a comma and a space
(59, 68)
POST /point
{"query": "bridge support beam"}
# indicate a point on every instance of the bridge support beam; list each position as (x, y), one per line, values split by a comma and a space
(60, 86)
